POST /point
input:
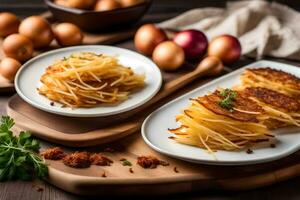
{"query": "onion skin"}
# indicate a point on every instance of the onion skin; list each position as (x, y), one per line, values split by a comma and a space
(225, 47)
(212, 61)
(193, 42)
(106, 5)
(9, 24)
(38, 30)
(67, 34)
(9, 68)
(148, 37)
(18, 47)
(168, 56)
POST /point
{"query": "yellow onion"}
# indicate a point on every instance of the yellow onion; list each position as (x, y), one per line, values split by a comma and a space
(105, 5)
(38, 30)
(18, 46)
(67, 34)
(148, 37)
(9, 24)
(225, 47)
(168, 56)
(9, 68)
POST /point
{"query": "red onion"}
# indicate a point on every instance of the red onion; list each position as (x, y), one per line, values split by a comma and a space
(193, 42)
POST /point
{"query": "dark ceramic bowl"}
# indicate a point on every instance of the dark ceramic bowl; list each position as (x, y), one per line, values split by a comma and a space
(99, 20)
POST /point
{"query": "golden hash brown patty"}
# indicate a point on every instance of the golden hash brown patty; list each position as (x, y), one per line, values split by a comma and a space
(273, 98)
(277, 76)
(211, 102)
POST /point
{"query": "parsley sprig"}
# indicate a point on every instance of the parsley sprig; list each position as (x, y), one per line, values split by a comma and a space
(19, 158)
(229, 97)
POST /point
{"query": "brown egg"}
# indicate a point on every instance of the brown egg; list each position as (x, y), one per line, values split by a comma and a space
(9, 24)
(81, 4)
(18, 47)
(105, 5)
(38, 30)
(148, 37)
(9, 68)
(67, 34)
(128, 3)
(168, 56)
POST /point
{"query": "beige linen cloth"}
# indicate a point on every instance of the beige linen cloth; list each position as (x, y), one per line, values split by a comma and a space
(263, 28)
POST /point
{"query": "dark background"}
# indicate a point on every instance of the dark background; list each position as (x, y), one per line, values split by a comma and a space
(160, 10)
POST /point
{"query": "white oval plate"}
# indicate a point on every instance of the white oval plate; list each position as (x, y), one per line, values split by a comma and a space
(28, 80)
(155, 133)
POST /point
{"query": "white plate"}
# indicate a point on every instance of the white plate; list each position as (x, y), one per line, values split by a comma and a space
(155, 133)
(28, 79)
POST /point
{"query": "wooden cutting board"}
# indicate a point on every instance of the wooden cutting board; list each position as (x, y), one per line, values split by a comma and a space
(164, 180)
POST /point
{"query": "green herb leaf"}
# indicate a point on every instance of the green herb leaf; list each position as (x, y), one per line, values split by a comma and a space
(126, 163)
(229, 98)
(19, 155)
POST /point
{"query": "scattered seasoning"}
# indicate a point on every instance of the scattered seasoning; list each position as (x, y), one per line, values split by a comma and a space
(51, 103)
(77, 160)
(272, 145)
(126, 163)
(249, 151)
(229, 97)
(150, 162)
(172, 137)
(55, 153)
(131, 170)
(122, 159)
(99, 159)
(175, 170)
(104, 175)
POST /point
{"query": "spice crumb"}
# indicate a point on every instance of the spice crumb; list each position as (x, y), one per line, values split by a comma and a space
(55, 153)
(249, 151)
(100, 160)
(51, 103)
(77, 160)
(104, 175)
(172, 137)
(150, 162)
(273, 145)
(122, 159)
(131, 170)
(176, 170)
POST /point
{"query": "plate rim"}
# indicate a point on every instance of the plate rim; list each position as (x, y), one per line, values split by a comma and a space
(216, 162)
(80, 115)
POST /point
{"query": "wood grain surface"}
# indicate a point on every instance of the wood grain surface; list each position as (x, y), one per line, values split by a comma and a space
(161, 10)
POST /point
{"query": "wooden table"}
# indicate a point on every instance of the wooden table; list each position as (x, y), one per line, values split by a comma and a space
(161, 10)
